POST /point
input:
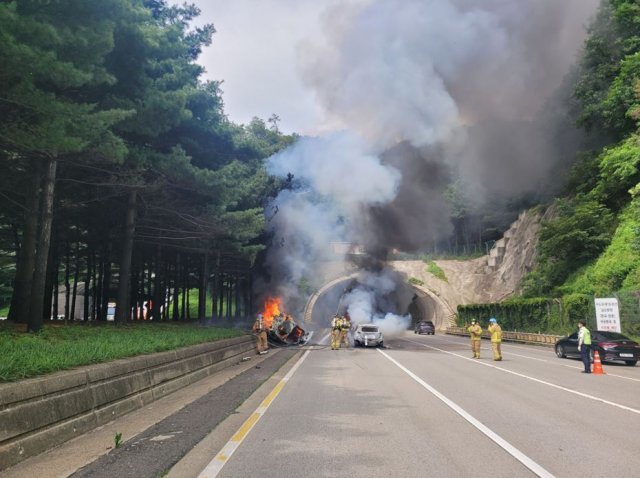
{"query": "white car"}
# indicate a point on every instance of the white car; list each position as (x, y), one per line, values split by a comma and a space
(368, 335)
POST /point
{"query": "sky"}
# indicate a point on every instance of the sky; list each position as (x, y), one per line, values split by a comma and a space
(261, 48)
(255, 51)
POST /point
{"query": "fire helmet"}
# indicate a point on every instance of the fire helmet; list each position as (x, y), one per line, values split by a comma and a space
(493, 319)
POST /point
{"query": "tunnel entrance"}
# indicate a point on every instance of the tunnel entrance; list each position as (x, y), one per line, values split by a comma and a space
(405, 299)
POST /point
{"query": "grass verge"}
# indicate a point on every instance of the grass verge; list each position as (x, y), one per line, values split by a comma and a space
(61, 347)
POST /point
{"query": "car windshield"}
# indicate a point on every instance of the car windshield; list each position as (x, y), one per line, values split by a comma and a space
(426, 323)
(370, 328)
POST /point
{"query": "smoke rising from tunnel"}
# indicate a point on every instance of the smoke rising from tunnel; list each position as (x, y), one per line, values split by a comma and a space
(370, 301)
(336, 177)
(420, 89)
(425, 72)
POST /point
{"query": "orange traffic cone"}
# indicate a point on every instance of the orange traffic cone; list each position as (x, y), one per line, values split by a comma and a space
(597, 364)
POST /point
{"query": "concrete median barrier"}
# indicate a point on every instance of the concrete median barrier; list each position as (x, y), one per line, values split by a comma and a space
(40, 413)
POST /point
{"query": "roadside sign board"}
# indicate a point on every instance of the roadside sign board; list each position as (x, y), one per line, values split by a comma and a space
(608, 315)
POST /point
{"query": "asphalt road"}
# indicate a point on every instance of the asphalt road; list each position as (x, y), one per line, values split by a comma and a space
(423, 407)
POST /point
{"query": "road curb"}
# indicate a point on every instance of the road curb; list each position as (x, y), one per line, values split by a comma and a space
(41, 413)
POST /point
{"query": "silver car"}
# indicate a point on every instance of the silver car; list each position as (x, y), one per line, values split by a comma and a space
(368, 335)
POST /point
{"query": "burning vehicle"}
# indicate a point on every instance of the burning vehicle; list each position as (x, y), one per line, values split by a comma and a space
(281, 328)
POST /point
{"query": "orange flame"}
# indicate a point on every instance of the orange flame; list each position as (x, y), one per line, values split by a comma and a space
(271, 309)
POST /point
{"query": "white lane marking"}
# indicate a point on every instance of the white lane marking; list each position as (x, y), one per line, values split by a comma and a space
(577, 368)
(535, 348)
(559, 387)
(620, 376)
(505, 445)
(527, 357)
(215, 465)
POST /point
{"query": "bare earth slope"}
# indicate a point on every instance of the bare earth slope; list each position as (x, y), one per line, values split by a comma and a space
(490, 278)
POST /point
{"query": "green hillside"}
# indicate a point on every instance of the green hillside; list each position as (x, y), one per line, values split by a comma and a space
(593, 243)
(591, 248)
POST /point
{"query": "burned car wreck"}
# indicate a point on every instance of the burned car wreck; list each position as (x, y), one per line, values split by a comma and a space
(284, 331)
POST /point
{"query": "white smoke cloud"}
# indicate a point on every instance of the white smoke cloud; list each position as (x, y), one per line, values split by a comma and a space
(419, 71)
(341, 169)
(334, 178)
(363, 303)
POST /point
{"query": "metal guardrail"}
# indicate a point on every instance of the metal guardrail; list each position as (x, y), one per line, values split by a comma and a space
(523, 337)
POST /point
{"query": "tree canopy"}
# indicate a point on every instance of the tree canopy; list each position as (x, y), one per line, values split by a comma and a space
(600, 206)
(119, 166)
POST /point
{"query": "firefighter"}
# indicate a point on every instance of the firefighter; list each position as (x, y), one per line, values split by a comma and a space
(475, 331)
(336, 330)
(496, 338)
(259, 328)
(344, 331)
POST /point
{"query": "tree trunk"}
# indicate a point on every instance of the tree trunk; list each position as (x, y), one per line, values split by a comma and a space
(134, 291)
(229, 296)
(183, 311)
(165, 290)
(124, 282)
(142, 298)
(67, 283)
(76, 274)
(42, 248)
(202, 289)
(51, 286)
(157, 307)
(214, 303)
(21, 297)
(250, 295)
(176, 288)
(188, 316)
(220, 294)
(149, 277)
(106, 283)
(238, 296)
(97, 302)
(98, 272)
(87, 287)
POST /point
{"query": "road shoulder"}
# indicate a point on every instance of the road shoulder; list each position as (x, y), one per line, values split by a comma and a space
(89, 447)
(199, 457)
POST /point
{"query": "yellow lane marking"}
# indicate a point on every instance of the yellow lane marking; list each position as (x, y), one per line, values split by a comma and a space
(274, 393)
(216, 464)
(246, 426)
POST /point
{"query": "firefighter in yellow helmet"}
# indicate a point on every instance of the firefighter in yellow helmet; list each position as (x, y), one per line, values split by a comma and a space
(344, 332)
(260, 330)
(496, 338)
(475, 331)
(336, 331)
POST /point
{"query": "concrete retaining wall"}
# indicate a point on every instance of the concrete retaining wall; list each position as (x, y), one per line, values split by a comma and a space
(38, 414)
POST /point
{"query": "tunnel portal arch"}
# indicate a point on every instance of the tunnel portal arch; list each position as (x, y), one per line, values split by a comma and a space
(425, 304)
